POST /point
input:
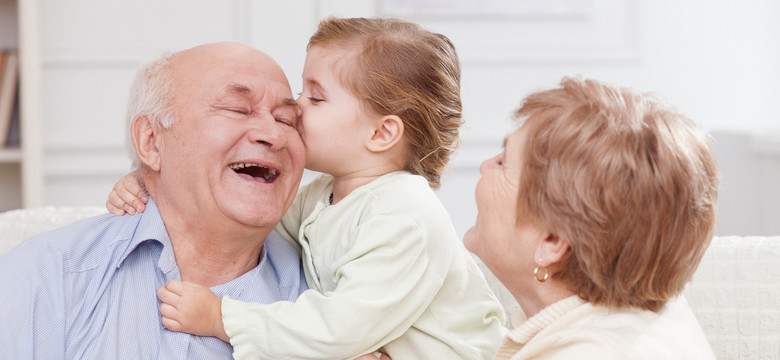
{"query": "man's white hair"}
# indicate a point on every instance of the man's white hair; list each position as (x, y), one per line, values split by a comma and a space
(151, 95)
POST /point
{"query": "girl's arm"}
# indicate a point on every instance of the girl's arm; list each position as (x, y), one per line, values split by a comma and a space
(194, 309)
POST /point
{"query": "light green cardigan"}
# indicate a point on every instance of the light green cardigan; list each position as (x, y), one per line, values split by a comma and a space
(387, 271)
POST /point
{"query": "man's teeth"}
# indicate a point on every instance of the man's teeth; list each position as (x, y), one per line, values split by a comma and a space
(268, 174)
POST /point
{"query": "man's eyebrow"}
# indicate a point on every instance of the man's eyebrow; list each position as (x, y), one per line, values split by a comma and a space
(292, 103)
(239, 89)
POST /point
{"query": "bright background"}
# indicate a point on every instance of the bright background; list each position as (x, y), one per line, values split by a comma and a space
(717, 61)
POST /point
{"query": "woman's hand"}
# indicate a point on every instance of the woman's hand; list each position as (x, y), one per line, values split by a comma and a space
(127, 196)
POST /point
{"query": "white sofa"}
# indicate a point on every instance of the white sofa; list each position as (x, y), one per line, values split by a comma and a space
(735, 293)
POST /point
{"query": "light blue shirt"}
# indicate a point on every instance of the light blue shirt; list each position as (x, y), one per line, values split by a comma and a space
(88, 291)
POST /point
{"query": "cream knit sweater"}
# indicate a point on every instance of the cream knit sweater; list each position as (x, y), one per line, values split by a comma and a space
(574, 329)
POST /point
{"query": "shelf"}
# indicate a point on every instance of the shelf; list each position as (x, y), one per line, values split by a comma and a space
(11, 156)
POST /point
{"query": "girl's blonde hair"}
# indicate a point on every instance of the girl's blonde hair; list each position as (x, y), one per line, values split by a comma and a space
(399, 68)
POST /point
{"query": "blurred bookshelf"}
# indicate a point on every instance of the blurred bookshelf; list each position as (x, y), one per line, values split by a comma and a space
(20, 177)
(10, 155)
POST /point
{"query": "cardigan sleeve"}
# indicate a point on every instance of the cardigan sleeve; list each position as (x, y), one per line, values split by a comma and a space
(384, 283)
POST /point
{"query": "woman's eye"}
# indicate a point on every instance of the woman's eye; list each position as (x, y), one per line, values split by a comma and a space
(315, 100)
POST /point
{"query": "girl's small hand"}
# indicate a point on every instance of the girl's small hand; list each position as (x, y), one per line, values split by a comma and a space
(127, 196)
(191, 308)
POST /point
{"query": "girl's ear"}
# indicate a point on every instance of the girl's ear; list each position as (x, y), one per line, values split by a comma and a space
(145, 140)
(388, 131)
(550, 250)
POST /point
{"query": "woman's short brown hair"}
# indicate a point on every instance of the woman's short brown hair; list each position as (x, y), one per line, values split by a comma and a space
(628, 182)
(404, 70)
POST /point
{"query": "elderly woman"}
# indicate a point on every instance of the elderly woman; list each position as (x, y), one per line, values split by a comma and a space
(594, 217)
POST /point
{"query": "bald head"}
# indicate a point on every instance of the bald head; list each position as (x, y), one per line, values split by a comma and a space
(217, 105)
(163, 79)
(215, 127)
(191, 63)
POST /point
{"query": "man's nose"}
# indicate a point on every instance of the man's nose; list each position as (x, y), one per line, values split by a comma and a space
(265, 130)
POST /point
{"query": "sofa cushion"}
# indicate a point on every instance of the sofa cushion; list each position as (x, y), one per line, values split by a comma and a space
(734, 293)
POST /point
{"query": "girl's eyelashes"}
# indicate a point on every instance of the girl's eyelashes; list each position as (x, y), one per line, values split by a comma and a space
(312, 99)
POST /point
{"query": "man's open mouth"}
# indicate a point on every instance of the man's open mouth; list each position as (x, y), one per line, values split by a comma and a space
(257, 171)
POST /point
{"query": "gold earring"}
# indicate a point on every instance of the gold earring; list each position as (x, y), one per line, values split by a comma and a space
(544, 278)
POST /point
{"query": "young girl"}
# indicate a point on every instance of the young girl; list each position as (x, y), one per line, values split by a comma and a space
(381, 112)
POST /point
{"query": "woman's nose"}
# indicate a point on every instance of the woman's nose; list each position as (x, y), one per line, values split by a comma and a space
(485, 164)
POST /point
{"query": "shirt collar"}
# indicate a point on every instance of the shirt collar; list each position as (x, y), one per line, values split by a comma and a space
(150, 227)
(235, 287)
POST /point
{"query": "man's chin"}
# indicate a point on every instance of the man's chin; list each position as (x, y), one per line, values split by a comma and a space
(258, 222)
(252, 214)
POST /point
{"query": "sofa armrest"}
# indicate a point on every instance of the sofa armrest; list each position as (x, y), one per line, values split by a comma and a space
(735, 295)
(18, 225)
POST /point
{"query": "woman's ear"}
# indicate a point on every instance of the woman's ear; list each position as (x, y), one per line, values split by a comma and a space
(550, 250)
(388, 131)
(145, 140)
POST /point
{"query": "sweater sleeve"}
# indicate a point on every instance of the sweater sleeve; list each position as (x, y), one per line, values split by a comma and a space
(384, 283)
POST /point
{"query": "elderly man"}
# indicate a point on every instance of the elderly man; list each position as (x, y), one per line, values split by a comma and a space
(214, 129)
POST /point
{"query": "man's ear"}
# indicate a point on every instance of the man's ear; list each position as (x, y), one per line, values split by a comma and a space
(550, 250)
(388, 131)
(145, 140)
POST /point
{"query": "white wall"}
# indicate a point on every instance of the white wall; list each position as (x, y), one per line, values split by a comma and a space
(715, 61)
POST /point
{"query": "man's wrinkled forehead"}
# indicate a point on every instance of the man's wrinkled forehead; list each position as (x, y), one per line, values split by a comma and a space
(228, 58)
(242, 91)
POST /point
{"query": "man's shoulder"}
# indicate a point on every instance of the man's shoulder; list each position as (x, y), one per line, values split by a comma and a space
(281, 253)
(277, 247)
(80, 245)
(285, 260)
